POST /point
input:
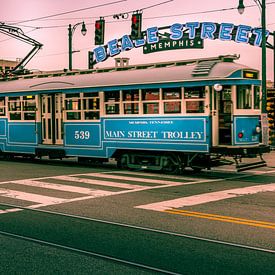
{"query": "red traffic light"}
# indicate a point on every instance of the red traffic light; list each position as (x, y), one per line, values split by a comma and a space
(98, 25)
(99, 31)
(135, 19)
(136, 26)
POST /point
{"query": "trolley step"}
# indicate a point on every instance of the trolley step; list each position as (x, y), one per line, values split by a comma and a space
(248, 166)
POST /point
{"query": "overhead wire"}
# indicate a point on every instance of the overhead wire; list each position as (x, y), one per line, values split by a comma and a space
(68, 12)
(49, 17)
(148, 18)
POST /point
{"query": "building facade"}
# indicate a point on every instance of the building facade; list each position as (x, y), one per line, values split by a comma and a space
(6, 65)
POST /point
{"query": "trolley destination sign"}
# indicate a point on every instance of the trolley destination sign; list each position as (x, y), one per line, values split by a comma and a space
(195, 31)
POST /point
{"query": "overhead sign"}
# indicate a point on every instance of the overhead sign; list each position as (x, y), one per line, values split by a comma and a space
(177, 32)
(168, 44)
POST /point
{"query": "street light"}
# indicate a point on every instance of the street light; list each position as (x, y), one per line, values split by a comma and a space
(241, 7)
(71, 32)
(262, 7)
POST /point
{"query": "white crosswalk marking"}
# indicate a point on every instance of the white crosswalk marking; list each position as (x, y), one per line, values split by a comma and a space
(99, 182)
(146, 180)
(30, 197)
(88, 179)
(59, 187)
(207, 197)
(10, 210)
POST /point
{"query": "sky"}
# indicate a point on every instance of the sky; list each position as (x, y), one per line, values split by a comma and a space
(52, 32)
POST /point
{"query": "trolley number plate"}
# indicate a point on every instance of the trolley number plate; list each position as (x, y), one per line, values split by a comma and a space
(82, 135)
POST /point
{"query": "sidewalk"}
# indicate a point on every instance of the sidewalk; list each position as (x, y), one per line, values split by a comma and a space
(270, 158)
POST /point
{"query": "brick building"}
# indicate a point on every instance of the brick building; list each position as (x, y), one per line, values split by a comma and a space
(6, 65)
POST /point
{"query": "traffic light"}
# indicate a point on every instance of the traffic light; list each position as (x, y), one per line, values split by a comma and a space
(270, 107)
(99, 31)
(90, 60)
(136, 26)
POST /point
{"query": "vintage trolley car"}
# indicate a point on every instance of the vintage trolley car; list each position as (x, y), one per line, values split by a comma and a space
(164, 116)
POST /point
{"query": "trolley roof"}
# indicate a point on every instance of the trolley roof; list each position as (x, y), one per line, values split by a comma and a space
(222, 67)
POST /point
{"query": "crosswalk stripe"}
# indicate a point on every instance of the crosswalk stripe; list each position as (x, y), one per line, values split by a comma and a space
(146, 180)
(10, 210)
(207, 197)
(171, 177)
(30, 197)
(54, 186)
(99, 182)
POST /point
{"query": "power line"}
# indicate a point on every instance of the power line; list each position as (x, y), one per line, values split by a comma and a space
(152, 17)
(73, 11)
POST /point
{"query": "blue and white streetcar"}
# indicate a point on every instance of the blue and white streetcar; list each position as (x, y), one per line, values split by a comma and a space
(164, 116)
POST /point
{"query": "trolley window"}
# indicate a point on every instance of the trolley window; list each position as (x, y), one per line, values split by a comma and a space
(82, 106)
(171, 100)
(150, 94)
(256, 97)
(73, 106)
(194, 106)
(2, 106)
(194, 92)
(194, 99)
(151, 108)
(244, 97)
(130, 102)
(112, 102)
(151, 98)
(29, 107)
(91, 107)
(22, 107)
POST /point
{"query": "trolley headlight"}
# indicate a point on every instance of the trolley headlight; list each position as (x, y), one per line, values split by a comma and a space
(258, 129)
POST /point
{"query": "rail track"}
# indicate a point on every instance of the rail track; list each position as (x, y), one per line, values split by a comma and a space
(140, 247)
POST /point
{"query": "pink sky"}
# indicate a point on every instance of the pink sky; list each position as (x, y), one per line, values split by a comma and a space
(53, 33)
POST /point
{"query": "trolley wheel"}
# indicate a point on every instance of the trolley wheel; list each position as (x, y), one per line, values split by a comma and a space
(122, 161)
(173, 165)
(196, 169)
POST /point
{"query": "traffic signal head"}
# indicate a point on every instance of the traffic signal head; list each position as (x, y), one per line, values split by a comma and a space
(99, 31)
(136, 26)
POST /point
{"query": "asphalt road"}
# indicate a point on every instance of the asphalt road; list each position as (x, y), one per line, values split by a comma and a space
(217, 222)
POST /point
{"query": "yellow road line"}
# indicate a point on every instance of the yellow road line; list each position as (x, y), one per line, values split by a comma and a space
(215, 217)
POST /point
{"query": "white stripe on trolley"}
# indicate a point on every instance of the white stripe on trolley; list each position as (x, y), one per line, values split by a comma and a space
(208, 197)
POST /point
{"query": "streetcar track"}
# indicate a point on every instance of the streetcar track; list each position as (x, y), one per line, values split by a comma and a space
(187, 236)
(88, 253)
